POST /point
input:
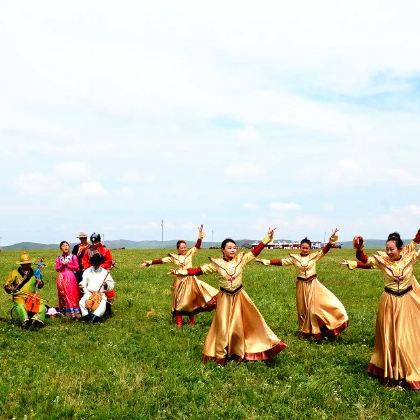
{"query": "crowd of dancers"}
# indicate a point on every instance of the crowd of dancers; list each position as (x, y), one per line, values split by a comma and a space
(238, 330)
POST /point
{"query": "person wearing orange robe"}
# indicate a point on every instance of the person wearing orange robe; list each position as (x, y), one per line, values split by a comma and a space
(238, 331)
(189, 295)
(396, 356)
(320, 312)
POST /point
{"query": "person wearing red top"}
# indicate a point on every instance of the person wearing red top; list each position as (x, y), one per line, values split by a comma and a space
(97, 247)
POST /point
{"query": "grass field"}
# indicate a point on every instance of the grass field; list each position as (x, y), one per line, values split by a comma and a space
(138, 365)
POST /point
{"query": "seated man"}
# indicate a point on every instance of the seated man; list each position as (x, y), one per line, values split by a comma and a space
(96, 282)
(23, 284)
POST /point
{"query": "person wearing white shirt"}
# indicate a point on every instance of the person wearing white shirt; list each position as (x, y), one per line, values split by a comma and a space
(95, 282)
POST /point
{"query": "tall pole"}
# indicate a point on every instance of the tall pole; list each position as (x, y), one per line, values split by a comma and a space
(161, 224)
(212, 238)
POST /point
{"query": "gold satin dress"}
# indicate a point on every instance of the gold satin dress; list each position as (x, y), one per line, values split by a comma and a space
(319, 311)
(189, 294)
(238, 330)
(396, 355)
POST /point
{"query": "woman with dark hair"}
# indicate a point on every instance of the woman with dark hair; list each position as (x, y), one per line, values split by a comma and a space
(189, 295)
(67, 285)
(320, 313)
(238, 330)
(396, 356)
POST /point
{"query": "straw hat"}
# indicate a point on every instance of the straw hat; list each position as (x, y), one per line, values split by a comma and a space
(24, 259)
(82, 235)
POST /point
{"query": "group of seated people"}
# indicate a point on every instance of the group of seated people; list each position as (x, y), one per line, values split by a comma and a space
(84, 284)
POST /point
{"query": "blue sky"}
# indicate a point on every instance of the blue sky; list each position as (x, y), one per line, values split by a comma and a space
(237, 115)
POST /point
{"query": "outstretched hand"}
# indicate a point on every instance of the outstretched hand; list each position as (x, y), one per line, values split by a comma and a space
(144, 264)
(270, 232)
(334, 236)
(201, 233)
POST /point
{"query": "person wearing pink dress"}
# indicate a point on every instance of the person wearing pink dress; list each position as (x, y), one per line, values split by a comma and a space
(67, 286)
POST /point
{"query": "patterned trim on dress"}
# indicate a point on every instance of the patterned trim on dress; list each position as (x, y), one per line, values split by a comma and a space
(208, 307)
(379, 373)
(248, 357)
(325, 332)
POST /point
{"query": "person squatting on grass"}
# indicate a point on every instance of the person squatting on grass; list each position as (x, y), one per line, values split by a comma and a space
(320, 313)
(23, 285)
(67, 285)
(95, 283)
(189, 295)
(396, 356)
(238, 330)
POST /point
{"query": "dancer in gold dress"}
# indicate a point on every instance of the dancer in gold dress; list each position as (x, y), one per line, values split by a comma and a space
(396, 356)
(189, 295)
(238, 330)
(320, 313)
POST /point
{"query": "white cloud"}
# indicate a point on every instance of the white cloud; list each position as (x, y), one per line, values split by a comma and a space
(289, 206)
(74, 170)
(252, 206)
(92, 189)
(36, 183)
(414, 210)
(248, 135)
(243, 170)
(403, 177)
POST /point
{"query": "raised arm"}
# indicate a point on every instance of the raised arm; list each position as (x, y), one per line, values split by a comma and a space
(413, 244)
(360, 251)
(267, 239)
(201, 236)
(331, 241)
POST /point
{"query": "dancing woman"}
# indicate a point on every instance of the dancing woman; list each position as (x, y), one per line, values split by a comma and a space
(67, 285)
(238, 330)
(396, 357)
(189, 295)
(320, 313)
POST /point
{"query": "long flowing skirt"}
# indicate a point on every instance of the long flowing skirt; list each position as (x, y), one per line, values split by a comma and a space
(396, 356)
(68, 294)
(190, 296)
(239, 332)
(319, 310)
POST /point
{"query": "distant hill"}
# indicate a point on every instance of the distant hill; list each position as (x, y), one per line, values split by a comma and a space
(125, 243)
(371, 243)
(30, 245)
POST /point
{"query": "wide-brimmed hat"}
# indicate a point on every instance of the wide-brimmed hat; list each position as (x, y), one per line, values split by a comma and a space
(25, 259)
(82, 235)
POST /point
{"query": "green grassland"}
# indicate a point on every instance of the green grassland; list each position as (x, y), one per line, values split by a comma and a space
(138, 365)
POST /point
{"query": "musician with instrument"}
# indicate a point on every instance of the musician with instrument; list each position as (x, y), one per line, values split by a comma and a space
(23, 284)
(96, 282)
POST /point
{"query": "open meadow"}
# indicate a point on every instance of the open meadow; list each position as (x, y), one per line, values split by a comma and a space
(139, 365)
